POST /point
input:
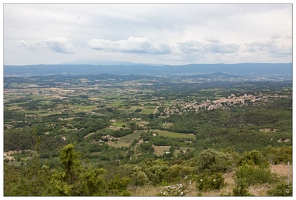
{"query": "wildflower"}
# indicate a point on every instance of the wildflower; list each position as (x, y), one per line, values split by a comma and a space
(200, 179)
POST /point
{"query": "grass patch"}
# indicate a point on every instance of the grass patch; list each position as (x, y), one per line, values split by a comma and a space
(167, 125)
(84, 108)
(132, 137)
(173, 134)
(118, 124)
(147, 111)
(116, 104)
(35, 96)
(118, 143)
(160, 150)
(135, 107)
(48, 113)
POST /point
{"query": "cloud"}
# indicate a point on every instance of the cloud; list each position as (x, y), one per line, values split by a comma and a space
(131, 45)
(59, 44)
(188, 32)
(268, 47)
(209, 45)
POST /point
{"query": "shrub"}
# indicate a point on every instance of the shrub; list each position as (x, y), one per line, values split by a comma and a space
(241, 189)
(139, 178)
(118, 186)
(214, 161)
(254, 174)
(276, 155)
(207, 182)
(253, 157)
(173, 190)
(281, 189)
(176, 173)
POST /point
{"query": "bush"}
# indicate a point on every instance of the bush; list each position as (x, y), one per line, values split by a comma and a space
(254, 174)
(253, 157)
(176, 173)
(281, 189)
(241, 189)
(173, 190)
(118, 186)
(138, 110)
(276, 155)
(212, 161)
(207, 182)
(139, 178)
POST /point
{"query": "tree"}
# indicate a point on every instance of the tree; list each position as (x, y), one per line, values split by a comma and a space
(214, 161)
(72, 179)
(132, 126)
(29, 179)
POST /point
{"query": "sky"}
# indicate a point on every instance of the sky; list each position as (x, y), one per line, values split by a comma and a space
(172, 34)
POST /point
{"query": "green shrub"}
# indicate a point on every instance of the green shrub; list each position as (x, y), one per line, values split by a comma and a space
(281, 189)
(276, 155)
(176, 173)
(213, 161)
(118, 186)
(254, 174)
(207, 182)
(253, 157)
(139, 178)
(241, 188)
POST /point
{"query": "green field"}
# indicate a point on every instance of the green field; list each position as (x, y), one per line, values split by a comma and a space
(116, 104)
(83, 108)
(118, 143)
(118, 124)
(133, 136)
(173, 134)
(135, 107)
(36, 96)
(147, 111)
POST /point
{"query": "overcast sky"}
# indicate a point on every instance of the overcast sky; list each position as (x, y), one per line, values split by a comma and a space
(147, 33)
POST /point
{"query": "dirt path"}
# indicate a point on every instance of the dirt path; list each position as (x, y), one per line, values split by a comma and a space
(155, 110)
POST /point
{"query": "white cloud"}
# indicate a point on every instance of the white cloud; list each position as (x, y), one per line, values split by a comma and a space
(162, 33)
(131, 45)
(209, 45)
(60, 45)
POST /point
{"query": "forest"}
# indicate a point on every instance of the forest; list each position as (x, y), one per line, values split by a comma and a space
(136, 135)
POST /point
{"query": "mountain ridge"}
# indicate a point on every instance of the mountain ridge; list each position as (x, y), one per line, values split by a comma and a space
(240, 69)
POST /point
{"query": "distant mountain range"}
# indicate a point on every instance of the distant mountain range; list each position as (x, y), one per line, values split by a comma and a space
(242, 69)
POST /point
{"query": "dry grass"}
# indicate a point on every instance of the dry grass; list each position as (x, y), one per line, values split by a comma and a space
(145, 191)
(118, 143)
(160, 150)
(281, 169)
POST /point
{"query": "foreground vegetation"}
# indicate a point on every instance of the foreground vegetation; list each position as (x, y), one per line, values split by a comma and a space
(108, 135)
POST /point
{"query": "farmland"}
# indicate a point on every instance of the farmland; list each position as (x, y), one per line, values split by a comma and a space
(128, 120)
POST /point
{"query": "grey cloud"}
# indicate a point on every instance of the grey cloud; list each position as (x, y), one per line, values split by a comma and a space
(191, 46)
(36, 45)
(208, 46)
(131, 45)
(269, 47)
(60, 45)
